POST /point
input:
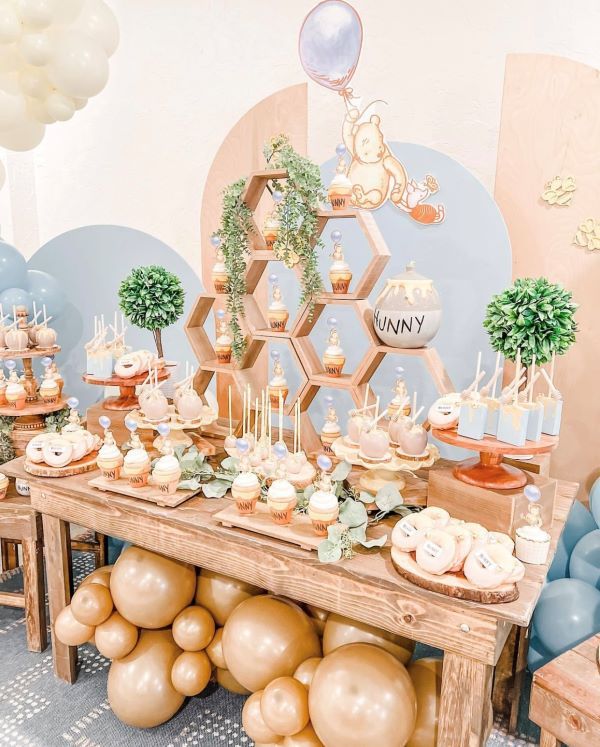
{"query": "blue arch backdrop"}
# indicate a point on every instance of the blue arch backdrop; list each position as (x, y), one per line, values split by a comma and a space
(468, 256)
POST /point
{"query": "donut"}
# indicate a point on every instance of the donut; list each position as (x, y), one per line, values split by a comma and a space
(489, 566)
(479, 533)
(464, 544)
(58, 452)
(436, 551)
(439, 515)
(408, 531)
(503, 539)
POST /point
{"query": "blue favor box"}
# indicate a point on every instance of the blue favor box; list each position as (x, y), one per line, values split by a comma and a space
(472, 420)
(552, 415)
(512, 425)
(534, 421)
(493, 415)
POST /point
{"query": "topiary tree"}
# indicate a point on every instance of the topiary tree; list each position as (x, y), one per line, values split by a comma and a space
(152, 298)
(534, 316)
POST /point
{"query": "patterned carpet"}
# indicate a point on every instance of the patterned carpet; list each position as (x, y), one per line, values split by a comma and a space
(36, 710)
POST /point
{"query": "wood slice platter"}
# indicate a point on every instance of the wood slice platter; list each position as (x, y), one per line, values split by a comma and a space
(35, 407)
(453, 585)
(86, 464)
(300, 532)
(147, 493)
(29, 353)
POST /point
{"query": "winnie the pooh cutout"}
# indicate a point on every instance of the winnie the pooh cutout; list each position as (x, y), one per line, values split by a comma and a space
(329, 46)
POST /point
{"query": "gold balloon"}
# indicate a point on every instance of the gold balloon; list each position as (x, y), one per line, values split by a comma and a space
(99, 576)
(341, 630)
(222, 594)
(229, 682)
(305, 738)
(70, 631)
(191, 672)
(306, 670)
(140, 691)
(254, 724)
(362, 695)
(92, 604)
(267, 637)
(193, 628)
(214, 650)
(426, 676)
(318, 616)
(150, 590)
(284, 706)
(116, 637)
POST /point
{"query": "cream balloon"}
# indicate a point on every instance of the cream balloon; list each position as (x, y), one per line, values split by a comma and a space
(254, 723)
(12, 109)
(284, 706)
(59, 106)
(426, 676)
(79, 65)
(361, 695)
(66, 11)
(37, 110)
(10, 25)
(305, 738)
(10, 59)
(341, 630)
(36, 49)
(2, 175)
(220, 594)
(92, 604)
(70, 631)
(140, 691)
(79, 103)
(34, 83)
(23, 137)
(97, 21)
(214, 650)
(36, 14)
(191, 673)
(116, 637)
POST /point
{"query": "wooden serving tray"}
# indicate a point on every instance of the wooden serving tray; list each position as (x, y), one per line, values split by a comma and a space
(453, 585)
(299, 532)
(147, 493)
(86, 464)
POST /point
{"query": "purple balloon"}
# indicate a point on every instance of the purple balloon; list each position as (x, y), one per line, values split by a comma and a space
(324, 463)
(399, 370)
(104, 421)
(46, 361)
(329, 400)
(280, 450)
(273, 278)
(329, 44)
(336, 236)
(11, 365)
(275, 355)
(242, 445)
(532, 493)
(220, 314)
(277, 196)
(72, 402)
(215, 240)
(332, 322)
(340, 150)
(164, 429)
(131, 425)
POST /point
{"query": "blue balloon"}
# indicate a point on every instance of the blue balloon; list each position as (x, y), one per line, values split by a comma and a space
(45, 289)
(13, 267)
(585, 559)
(15, 297)
(567, 613)
(537, 655)
(579, 523)
(595, 500)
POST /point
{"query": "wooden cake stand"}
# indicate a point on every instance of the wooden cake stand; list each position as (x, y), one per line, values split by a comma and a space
(127, 399)
(177, 436)
(487, 470)
(86, 464)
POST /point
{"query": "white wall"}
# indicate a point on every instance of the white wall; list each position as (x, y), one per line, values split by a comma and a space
(186, 70)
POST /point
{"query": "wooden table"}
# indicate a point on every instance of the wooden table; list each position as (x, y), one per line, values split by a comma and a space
(20, 523)
(565, 697)
(365, 588)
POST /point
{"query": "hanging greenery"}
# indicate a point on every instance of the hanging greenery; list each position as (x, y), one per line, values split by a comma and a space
(534, 316)
(7, 452)
(297, 242)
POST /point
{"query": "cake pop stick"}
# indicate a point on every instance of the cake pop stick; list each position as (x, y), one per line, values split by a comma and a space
(377, 409)
(256, 421)
(491, 385)
(280, 417)
(383, 414)
(416, 415)
(552, 390)
(299, 427)
(229, 407)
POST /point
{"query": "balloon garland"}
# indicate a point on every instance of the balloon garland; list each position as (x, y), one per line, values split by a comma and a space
(169, 633)
(53, 58)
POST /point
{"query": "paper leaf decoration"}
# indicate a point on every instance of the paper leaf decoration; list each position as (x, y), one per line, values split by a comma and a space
(588, 235)
(559, 191)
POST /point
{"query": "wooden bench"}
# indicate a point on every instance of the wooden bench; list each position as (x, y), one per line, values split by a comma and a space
(565, 698)
(21, 524)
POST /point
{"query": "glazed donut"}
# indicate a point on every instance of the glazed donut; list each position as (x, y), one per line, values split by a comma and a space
(57, 451)
(409, 530)
(34, 451)
(79, 444)
(436, 551)
(464, 544)
(479, 533)
(517, 573)
(439, 515)
(488, 567)
(502, 539)
(444, 412)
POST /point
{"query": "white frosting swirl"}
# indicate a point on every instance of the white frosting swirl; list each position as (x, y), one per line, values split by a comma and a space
(246, 480)
(334, 350)
(321, 500)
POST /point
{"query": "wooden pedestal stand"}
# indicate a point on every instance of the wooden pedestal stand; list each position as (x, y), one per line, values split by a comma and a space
(487, 470)
(30, 420)
(127, 399)
(178, 436)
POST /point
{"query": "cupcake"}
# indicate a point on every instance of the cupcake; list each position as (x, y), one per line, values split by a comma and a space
(220, 276)
(223, 342)
(330, 431)
(277, 313)
(340, 274)
(167, 472)
(3, 384)
(49, 389)
(323, 508)
(333, 358)
(56, 375)
(281, 499)
(271, 230)
(278, 384)
(15, 392)
(136, 467)
(3, 485)
(110, 459)
(532, 545)
(246, 491)
(340, 190)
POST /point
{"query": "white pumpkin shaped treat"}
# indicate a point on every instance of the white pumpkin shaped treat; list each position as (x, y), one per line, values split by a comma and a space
(439, 516)
(412, 439)
(374, 444)
(17, 339)
(45, 337)
(57, 451)
(489, 566)
(356, 423)
(398, 425)
(409, 530)
(189, 405)
(34, 451)
(464, 544)
(436, 551)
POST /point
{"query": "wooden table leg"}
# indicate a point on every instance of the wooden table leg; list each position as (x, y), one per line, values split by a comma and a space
(10, 555)
(547, 740)
(35, 604)
(465, 705)
(522, 647)
(58, 572)
(101, 556)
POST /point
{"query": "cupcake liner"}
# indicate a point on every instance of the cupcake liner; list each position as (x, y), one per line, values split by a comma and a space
(270, 239)
(282, 516)
(274, 397)
(220, 285)
(339, 201)
(16, 404)
(246, 506)
(3, 492)
(278, 324)
(111, 473)
(167, 487)
(320, 526)
(333, 369)
(139, 481)
(51, 400)
(224, 356)
(530, 551)
(340, 286)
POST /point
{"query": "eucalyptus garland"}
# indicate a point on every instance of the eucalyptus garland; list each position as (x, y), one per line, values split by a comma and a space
(297, 241)
(7, 452)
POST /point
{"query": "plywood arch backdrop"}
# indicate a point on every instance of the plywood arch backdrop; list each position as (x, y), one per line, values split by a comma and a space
(551, 126)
